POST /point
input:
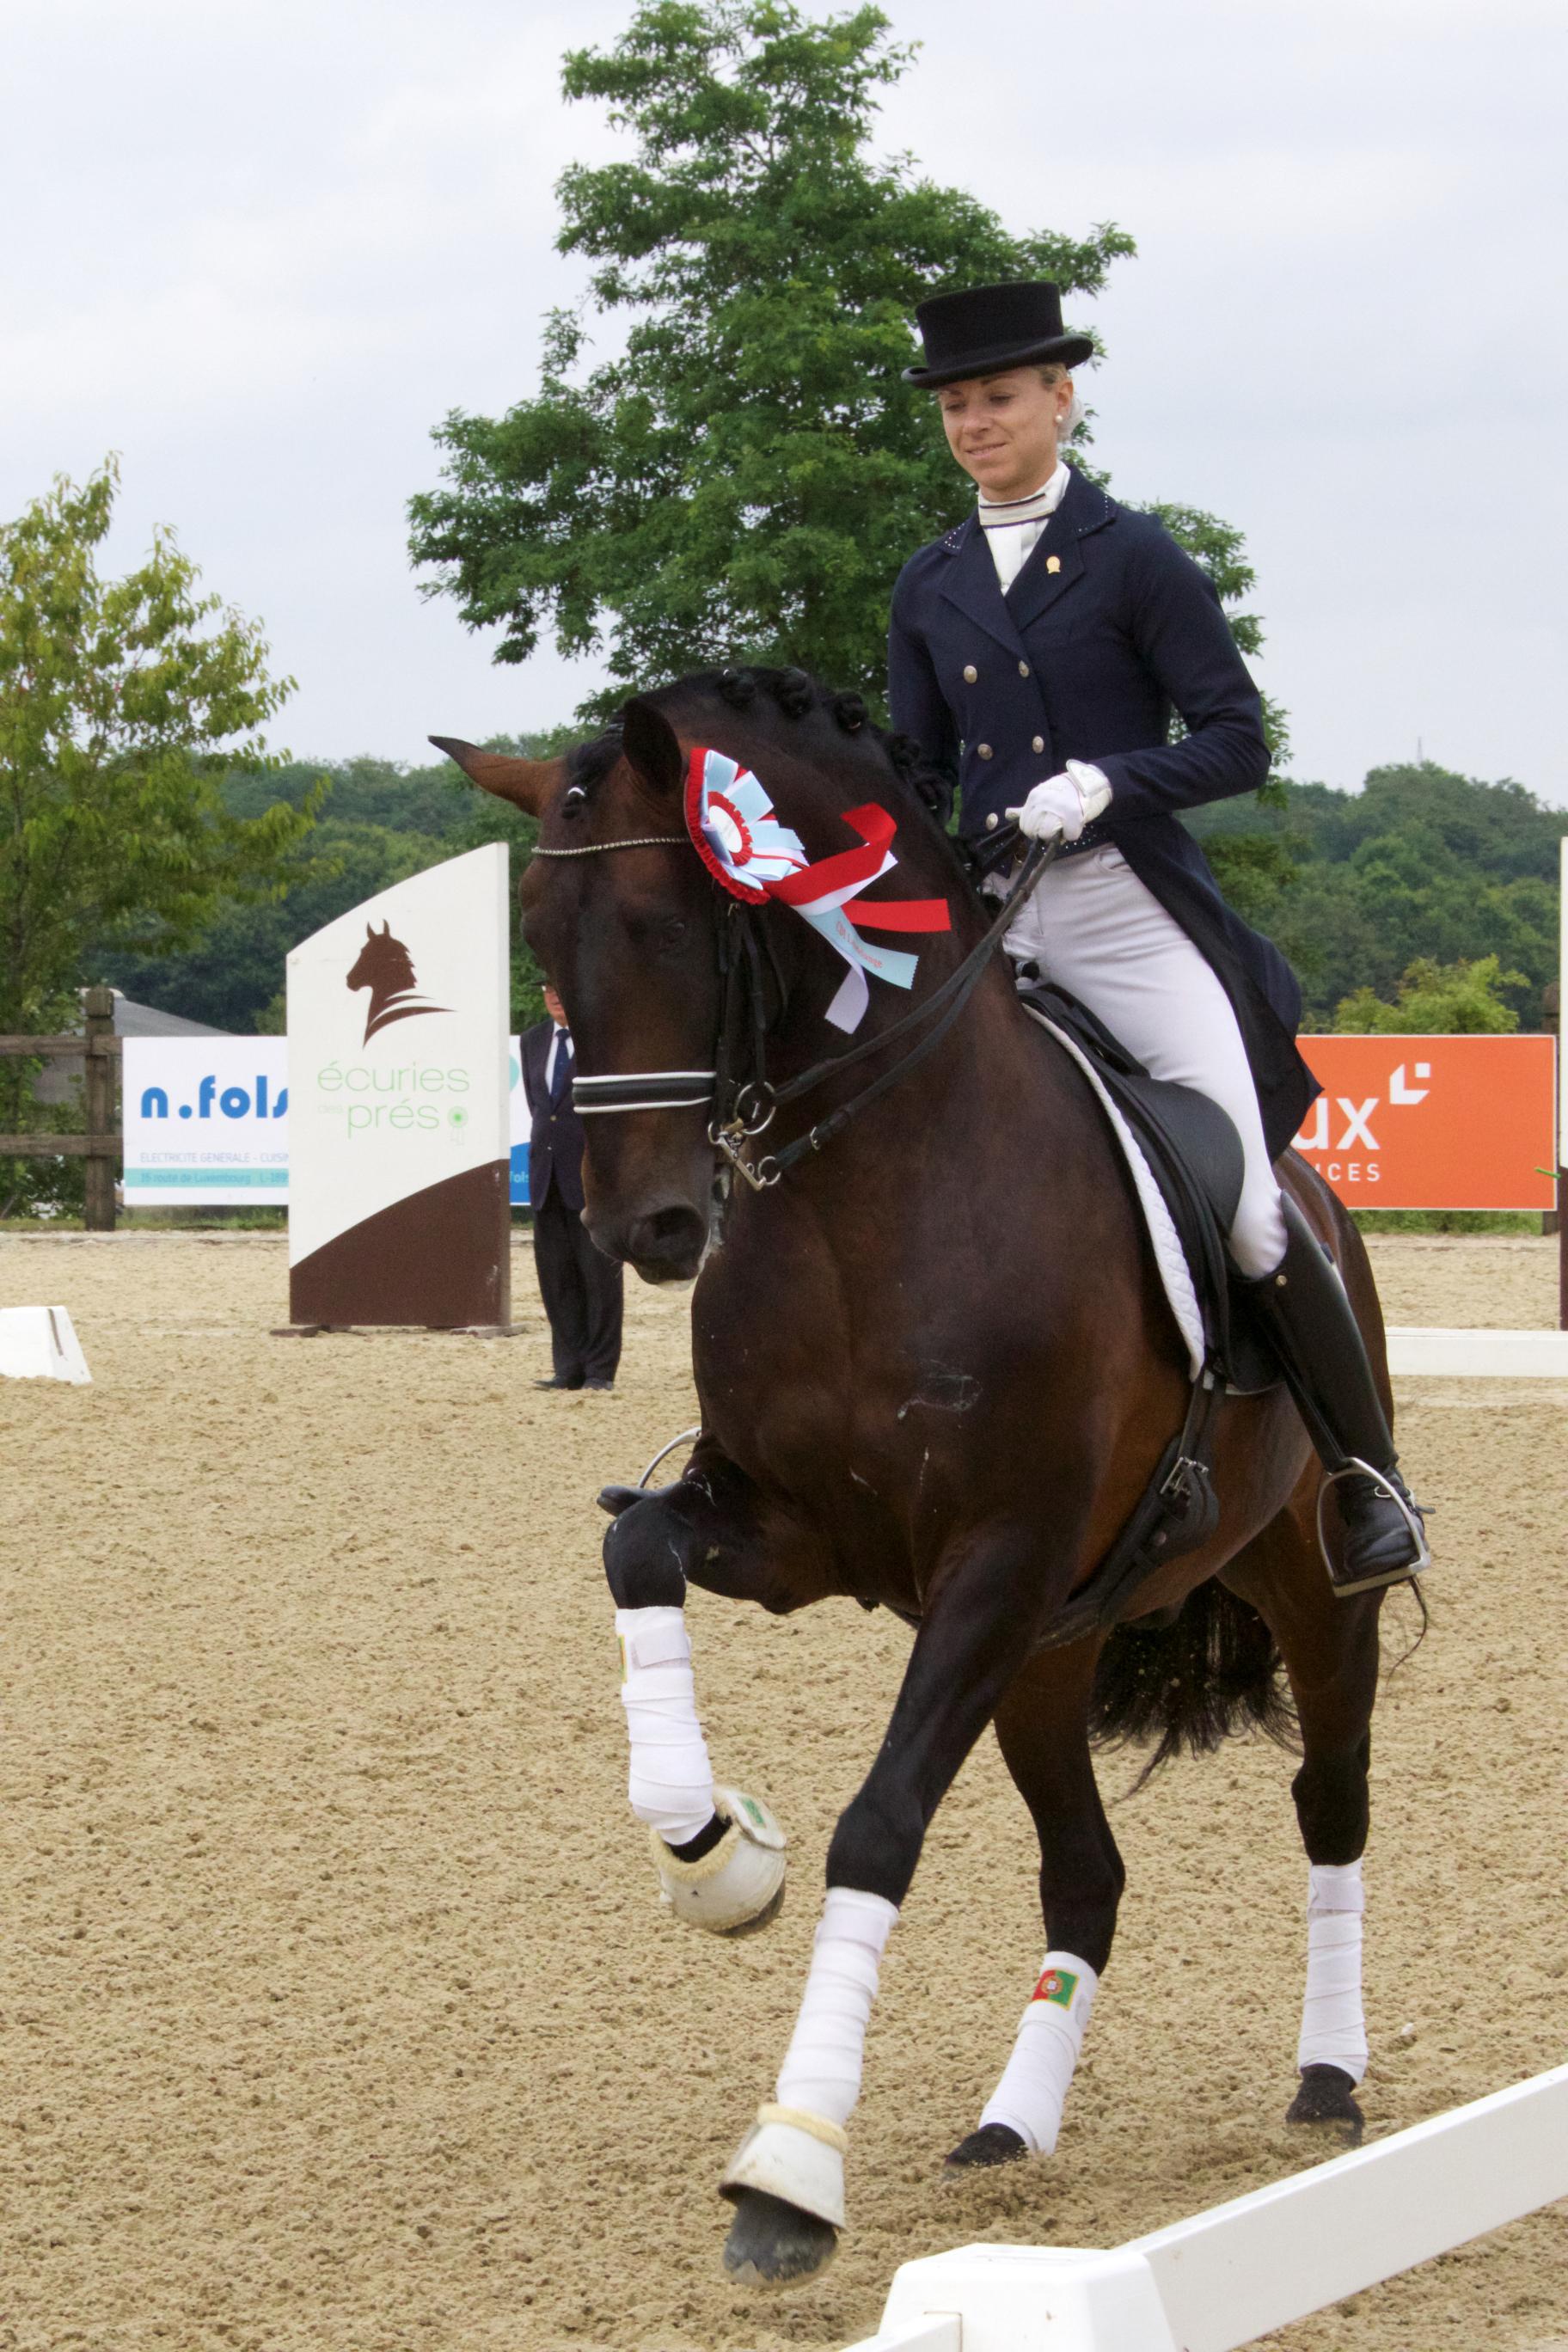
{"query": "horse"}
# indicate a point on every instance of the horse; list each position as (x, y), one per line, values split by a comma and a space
(386, 967)
(936, 1369)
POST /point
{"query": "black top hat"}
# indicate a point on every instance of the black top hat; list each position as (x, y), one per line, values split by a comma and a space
(989, 328)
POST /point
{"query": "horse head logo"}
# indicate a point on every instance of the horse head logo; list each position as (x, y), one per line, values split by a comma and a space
(386, 968)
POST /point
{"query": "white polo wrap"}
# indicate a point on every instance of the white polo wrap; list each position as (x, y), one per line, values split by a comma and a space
(671, 1781)
(1333, 2025)
(821, 2071)
(1033, 2090)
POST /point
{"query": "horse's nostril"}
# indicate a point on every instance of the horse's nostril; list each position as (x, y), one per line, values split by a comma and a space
(672, 1225)
(670, 1237)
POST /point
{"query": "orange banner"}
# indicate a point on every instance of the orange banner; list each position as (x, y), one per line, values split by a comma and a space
(1433, 1122)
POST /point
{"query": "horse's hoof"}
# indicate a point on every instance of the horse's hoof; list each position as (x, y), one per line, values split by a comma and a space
(1325, 2097)
(774, 2244)
(737, 1885)
(992, 2144)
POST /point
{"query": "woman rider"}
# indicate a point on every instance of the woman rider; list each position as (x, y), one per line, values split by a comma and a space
(1038, 652)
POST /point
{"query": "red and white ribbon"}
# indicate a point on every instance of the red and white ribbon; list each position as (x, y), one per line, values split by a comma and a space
(733, 824)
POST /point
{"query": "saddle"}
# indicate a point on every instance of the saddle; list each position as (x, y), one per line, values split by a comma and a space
(1193, 1153)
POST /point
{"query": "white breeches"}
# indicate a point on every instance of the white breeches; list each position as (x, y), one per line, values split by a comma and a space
(1099, 932)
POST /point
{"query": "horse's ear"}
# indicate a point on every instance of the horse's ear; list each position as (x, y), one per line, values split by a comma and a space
(370, 931)
(528, 783)
(649, 743)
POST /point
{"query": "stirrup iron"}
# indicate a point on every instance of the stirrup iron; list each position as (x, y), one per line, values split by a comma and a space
(1388, 1490)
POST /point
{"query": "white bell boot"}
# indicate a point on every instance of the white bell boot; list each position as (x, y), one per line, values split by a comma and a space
(791, 2153)
(737, 1886)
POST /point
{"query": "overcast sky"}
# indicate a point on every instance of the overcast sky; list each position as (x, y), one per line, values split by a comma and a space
(260, 247)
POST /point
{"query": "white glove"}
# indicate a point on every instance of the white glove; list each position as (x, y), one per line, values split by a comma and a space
(1063, 804)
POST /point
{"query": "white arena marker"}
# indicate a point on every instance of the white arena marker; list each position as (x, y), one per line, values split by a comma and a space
(1226, 2277)
(1024, 2299)
(1417, 1350)
(938, 2331)
(37, 1343)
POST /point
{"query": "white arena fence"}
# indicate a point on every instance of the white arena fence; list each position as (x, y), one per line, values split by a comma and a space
(1430, 1352)
(1227, 2277)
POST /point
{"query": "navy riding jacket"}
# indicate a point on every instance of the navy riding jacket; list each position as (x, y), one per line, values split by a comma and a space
(1109, 628)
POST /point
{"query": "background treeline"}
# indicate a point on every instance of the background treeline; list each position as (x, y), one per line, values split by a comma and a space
(1421, 865)
(378, 823)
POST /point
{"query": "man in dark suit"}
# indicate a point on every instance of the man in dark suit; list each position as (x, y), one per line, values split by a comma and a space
(582, 1289)
(1038, 654)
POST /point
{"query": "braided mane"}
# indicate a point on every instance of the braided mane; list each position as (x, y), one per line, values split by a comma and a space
(797, 696)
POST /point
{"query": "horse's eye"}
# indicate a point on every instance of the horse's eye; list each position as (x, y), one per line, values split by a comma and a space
(675, 931)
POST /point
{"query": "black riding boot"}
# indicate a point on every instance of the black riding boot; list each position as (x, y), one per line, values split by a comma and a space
(1308, 1315)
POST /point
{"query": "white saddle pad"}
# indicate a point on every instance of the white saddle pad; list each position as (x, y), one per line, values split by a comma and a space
(1168, 1255)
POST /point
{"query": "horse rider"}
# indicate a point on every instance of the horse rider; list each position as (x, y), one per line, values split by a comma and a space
(1037, 653)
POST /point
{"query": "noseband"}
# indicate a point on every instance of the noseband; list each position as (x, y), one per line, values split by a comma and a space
(744, 1106)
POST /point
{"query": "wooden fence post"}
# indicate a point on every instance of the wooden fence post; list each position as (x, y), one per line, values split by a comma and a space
(98, 1100)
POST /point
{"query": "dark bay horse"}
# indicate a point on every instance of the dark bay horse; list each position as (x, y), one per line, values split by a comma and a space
(935, 1362)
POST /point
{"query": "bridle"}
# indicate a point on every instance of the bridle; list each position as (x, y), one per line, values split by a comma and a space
(744, 1106)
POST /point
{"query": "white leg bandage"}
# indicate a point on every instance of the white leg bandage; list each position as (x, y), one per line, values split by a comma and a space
(1333, 2028)
(821, 2071)
(794, 2151)
(671, 1783)
(1034, 2086)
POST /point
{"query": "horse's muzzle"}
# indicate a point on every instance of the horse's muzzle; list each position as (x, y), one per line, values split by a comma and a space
(664, 1243)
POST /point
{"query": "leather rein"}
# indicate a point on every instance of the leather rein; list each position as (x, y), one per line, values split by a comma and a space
(743, 1106)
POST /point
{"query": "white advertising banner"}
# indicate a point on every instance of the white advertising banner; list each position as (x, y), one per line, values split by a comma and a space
(399, 1083)
(205, 1120)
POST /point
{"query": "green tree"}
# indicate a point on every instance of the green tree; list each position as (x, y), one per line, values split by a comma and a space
(1420, 863)
(118, 699)
(1449, 1000)
(746, 478)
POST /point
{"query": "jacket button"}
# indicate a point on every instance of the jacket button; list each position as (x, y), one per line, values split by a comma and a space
(984, 750)
(1023, 669)
(970, 673)
(1039, 742)
(990, 822)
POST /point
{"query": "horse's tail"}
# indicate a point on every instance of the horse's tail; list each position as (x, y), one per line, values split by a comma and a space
(1213, 1670)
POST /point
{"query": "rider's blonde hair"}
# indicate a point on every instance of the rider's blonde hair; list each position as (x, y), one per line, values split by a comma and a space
(1052, 371)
